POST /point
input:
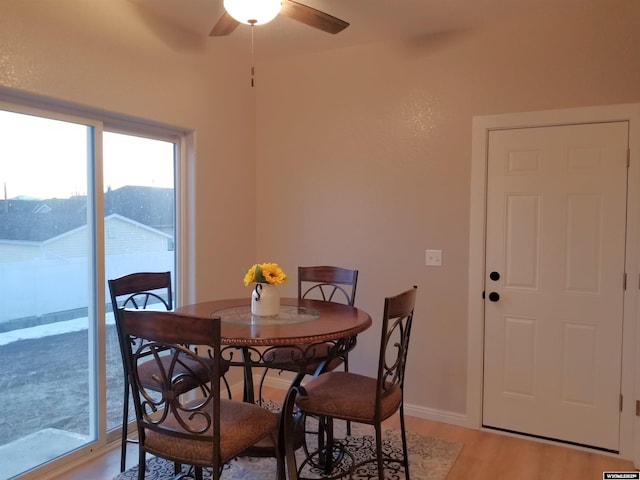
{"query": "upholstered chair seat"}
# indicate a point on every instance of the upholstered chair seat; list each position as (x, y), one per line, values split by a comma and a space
(241, 423)
(348, 396)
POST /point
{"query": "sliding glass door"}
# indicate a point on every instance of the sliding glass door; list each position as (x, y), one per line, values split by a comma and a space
(79, 205)
(139, 231)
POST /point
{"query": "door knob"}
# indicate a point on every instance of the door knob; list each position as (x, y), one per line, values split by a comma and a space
(494, 296)
(494, 276)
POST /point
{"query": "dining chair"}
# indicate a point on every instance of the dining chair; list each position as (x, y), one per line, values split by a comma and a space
(329, 284)
(141, 290)
(200, 429)
(364, 399)
(326, 283)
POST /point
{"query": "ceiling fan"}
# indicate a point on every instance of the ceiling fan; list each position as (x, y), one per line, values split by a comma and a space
(290, 8)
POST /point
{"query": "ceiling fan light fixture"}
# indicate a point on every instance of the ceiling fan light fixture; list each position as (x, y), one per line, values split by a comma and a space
(253, 12)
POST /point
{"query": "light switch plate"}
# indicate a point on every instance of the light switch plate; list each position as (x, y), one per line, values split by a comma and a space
(433, 258)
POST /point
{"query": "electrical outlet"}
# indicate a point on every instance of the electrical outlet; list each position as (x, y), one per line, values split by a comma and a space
(433, 258)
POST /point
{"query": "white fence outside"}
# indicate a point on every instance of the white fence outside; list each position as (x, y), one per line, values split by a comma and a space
(41, 287)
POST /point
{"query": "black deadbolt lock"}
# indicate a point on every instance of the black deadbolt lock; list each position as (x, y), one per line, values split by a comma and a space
(494, 276)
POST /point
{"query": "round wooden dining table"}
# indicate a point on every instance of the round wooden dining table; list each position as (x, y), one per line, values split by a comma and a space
(300, 322)
(303, 324)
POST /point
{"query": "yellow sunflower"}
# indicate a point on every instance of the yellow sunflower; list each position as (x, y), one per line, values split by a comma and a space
(265, 273)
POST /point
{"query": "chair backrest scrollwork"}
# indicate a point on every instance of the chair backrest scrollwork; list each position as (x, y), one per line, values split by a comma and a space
(397, 320)
(330, 284)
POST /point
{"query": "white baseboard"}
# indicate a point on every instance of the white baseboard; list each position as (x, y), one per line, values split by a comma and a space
(442, 416)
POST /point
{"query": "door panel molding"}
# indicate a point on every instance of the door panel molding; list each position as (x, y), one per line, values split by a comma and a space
(481, 126)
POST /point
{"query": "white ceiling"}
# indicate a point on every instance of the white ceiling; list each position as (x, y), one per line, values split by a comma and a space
(370, 20)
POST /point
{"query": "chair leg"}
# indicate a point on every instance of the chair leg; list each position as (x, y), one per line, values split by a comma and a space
(142, 464)
(346, 369)
(403, 433)
(279, 451)
(226, 384)
(328, 459)
(125, 425)
(322, 444)
(261, 384)
(379, 451)
(286, 436)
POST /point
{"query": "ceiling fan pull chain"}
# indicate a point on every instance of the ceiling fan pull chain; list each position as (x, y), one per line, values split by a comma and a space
(252, 22)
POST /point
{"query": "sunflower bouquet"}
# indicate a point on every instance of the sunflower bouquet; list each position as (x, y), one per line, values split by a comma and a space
(265, 273)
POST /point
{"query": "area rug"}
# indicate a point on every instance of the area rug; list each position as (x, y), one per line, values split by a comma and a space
(430, 458)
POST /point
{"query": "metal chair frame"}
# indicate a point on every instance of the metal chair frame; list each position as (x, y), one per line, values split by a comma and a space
(139, 291)
(397, 322)
(182, 428)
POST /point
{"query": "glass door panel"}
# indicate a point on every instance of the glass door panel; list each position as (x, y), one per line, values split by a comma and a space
(46, 266)
(139, 225)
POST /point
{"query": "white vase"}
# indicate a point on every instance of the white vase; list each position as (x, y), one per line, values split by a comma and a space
(265, 300)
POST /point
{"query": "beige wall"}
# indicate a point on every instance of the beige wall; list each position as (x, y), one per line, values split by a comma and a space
(363, 159)
(361, 156)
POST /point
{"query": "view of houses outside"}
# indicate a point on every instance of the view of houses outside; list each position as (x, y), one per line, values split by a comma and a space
(47, 257)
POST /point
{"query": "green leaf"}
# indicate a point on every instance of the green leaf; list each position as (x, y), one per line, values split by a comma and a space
(259, 275)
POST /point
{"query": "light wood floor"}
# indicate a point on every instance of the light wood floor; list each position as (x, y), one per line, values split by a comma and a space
(485, 456)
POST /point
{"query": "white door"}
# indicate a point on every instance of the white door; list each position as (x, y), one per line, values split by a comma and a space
(555, 252)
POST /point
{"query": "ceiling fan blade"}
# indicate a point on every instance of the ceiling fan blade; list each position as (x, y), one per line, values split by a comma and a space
(225, 26)
(312, 17)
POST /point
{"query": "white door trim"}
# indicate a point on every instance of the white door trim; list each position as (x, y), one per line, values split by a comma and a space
(481, 125)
